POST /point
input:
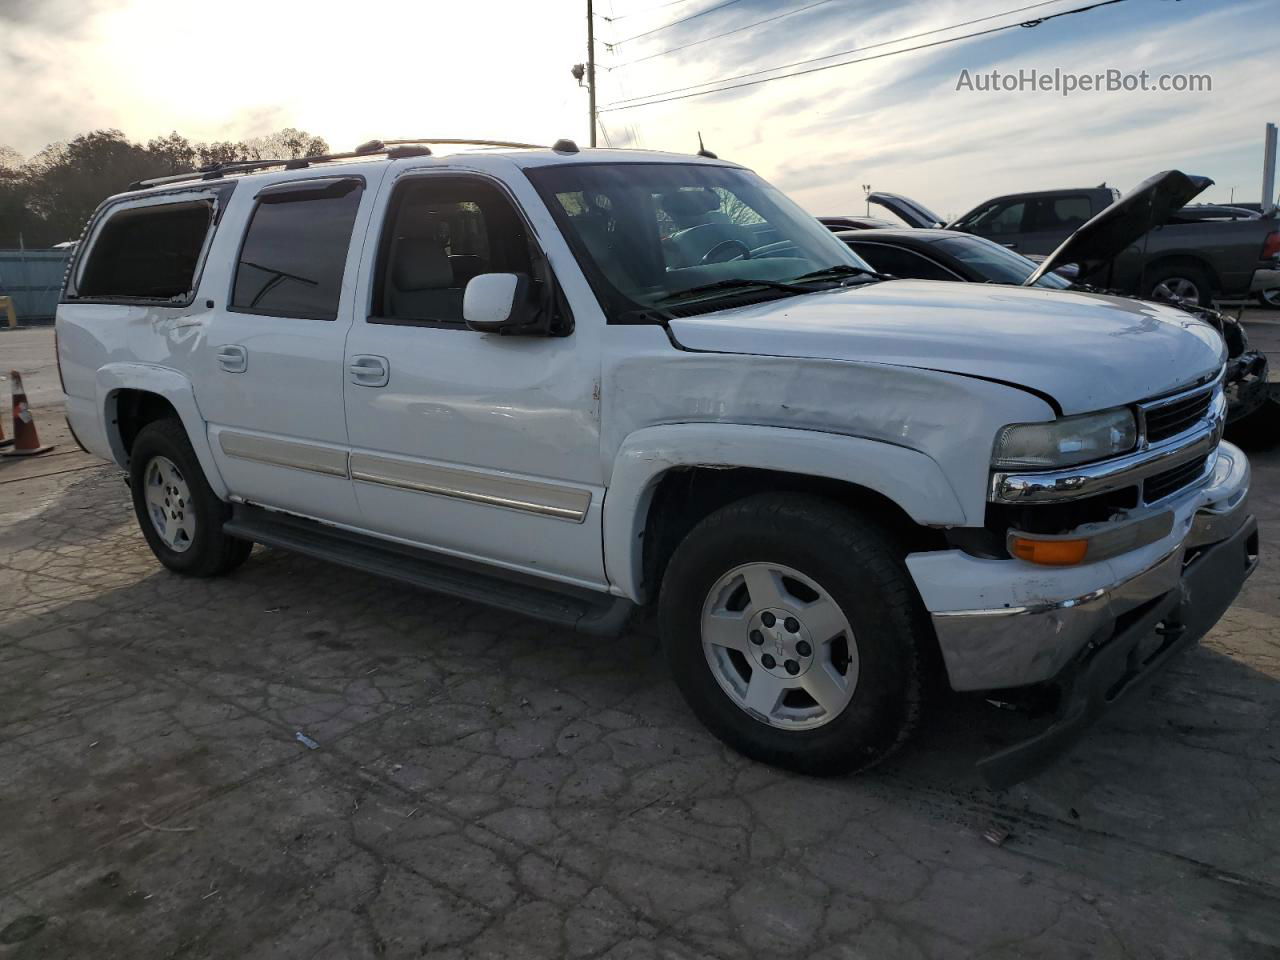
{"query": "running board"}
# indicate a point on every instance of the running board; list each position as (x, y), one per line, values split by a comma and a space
(585, 611)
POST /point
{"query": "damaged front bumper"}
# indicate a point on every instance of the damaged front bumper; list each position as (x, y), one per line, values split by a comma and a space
(1245, 384)
(1091, 632)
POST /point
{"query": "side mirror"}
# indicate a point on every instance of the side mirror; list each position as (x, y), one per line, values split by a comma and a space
(494, 302)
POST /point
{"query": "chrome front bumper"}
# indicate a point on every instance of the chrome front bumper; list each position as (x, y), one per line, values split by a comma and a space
(1032, 622)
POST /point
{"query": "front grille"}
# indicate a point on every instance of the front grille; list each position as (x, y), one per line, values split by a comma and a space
(1165, 420)
(1162, 485)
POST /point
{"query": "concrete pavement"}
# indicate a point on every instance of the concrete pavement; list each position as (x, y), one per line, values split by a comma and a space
(487, 786)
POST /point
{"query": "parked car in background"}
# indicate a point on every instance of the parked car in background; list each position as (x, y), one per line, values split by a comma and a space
(855, 223)
(1189, 257)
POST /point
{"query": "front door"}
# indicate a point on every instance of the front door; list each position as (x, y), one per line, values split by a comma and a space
(479, 445)
(269, 374)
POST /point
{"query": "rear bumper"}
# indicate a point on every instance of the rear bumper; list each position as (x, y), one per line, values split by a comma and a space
(1265, 279)
(1143, 642)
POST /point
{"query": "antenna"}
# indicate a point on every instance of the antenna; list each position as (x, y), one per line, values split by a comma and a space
(703, 151)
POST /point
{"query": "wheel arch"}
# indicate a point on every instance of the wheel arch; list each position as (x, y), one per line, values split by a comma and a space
(667, 478)
(1175, 259)
(131, 395)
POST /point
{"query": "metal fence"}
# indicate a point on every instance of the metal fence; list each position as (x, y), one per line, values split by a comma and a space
(33, 278)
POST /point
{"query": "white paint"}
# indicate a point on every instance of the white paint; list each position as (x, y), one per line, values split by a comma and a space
(899, 387)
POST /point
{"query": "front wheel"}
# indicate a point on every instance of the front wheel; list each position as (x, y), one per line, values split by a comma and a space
(1270, 298)
(1181, 283)
(180, 515)
(794, 632)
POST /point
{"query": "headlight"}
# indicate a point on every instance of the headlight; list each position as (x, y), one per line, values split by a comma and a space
(1066, 442)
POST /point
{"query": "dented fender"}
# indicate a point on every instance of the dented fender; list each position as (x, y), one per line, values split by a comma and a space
(909, 478)
(175, 388)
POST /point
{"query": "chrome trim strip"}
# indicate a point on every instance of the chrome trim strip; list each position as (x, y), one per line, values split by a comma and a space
(1059, 486)
(285, 453)
(512, 493)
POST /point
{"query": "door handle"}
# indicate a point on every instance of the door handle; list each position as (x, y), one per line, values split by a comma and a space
(369, 371)
(233, 358)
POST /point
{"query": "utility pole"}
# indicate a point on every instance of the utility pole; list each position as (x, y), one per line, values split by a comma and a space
(591, 69)
(1269, 169)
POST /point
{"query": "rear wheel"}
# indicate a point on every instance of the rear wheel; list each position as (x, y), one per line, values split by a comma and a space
(1270, 298)
(1181, 283)
(180, 516)
(793, 631)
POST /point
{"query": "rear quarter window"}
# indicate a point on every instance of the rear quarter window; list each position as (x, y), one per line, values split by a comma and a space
(147, 253)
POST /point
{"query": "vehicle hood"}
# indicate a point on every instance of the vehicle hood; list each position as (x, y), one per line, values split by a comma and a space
(909, 211)
(1086, 351)
(1104, 236)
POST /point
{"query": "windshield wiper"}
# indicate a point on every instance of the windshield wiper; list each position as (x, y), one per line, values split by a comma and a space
(733, 283)
(840, 270)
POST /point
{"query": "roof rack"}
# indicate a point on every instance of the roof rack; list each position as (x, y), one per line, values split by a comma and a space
(394, 149)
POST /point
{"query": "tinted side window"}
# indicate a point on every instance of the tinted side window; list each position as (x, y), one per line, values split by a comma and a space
(901, 263)
(1060, 213)
(440, 233)
(295, 250)
(147, 253)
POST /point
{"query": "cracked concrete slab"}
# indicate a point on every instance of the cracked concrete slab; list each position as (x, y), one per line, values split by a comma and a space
(488, 786)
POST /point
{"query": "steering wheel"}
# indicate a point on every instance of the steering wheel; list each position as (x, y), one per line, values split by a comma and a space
(708, 257)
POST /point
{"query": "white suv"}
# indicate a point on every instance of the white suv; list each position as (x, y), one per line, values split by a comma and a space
(572, 383)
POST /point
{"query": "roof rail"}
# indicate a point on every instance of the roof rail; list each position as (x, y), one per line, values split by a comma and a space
(469, 143)
(395, 149)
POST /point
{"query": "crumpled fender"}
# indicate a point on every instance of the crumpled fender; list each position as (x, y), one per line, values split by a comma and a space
(174, 387)
(909, 478)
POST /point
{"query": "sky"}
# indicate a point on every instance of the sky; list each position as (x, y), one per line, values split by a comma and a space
(500, 69)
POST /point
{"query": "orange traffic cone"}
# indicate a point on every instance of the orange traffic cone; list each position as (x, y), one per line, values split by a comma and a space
(26, 442)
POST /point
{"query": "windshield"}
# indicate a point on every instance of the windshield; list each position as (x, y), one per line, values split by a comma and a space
(996, 263)
(650, 233)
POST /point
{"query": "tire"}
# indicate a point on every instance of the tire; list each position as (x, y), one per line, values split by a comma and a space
(192, 541)
(1269, 299)
(1176, 281)
(838, 555)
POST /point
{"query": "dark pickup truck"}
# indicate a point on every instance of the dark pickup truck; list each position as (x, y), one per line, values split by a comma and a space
(1186, 258)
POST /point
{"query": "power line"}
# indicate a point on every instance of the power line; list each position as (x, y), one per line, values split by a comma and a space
(665, 26)
(842, 53)
(685, 46)
(662, 95)
(623, 16)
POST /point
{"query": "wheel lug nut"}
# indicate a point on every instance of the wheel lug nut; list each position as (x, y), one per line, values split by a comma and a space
(803, 648)
(756, 637)
(768, 661)
(792, 625)
(768, 619)
(792, 667)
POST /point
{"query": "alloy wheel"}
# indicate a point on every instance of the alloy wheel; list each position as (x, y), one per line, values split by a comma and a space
(779, 646)
(169, 505)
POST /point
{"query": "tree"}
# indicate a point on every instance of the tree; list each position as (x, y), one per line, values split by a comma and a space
(49, 197)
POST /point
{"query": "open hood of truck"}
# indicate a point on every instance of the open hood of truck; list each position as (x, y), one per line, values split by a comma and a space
(910, 212)
(1087, 351)
(1108, 233)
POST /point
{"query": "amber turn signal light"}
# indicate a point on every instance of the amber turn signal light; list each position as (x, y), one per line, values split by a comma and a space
(1050, 553)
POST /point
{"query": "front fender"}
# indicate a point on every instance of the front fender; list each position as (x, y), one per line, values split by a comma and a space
(173, 387)
(909, 478)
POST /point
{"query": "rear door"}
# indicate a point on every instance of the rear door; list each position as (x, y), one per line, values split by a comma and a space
(269, 371)
(1050, 220)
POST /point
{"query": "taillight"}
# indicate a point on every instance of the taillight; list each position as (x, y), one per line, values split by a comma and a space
(1271, 245)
